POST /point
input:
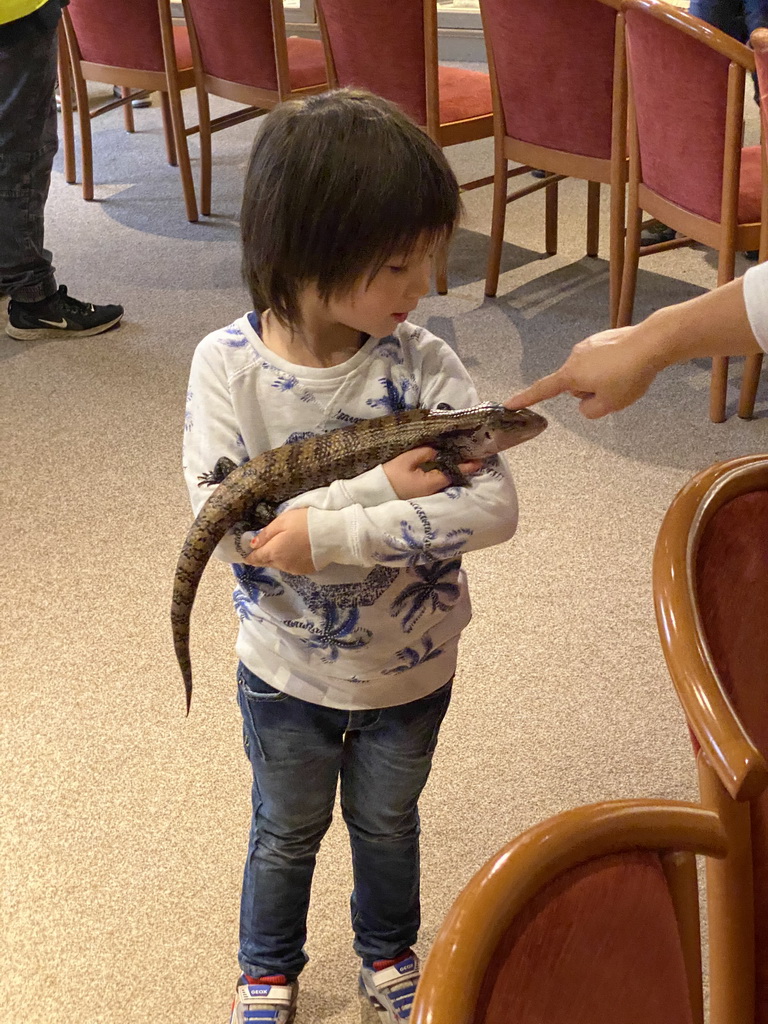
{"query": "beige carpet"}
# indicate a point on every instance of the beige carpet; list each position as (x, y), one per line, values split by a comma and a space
(124, 824)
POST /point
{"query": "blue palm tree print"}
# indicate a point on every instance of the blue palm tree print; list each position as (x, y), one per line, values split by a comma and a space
(411, 657)
(232, 337)
(337, 631)
(436, 588)
(254, 583)
(408, 549)
(395, 395)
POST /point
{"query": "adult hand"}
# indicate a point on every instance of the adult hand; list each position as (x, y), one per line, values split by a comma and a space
(607, 372)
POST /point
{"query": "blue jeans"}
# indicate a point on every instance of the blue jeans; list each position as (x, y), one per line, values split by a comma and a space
(28, 143)
(298, 751)
(737, 18)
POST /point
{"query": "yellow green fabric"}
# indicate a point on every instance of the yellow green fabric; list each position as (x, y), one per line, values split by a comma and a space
(12, 10)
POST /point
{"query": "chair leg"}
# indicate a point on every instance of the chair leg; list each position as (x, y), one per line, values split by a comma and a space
(182, 153)
(629, 271)
(550, 219)
(750, 380)
(498, 218)
(204, 119)
(65, 92)
(441, 269)
(170, 144)
(127, 110)
(593, 217)
(616, 250)
(86, 143)
(719, 384)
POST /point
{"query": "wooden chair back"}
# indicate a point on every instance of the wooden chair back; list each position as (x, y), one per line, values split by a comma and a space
(553, 69)
(711, 596)
(135, 46)
(558, 79)
(241, 53)
(687, 167)
(591, 916)
(389, 49)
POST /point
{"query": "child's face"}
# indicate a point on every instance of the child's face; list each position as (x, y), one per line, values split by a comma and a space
(377, 306)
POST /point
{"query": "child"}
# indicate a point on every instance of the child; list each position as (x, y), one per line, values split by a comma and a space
(352, 600)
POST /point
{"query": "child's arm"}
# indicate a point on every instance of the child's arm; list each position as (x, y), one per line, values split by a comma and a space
(398, 532)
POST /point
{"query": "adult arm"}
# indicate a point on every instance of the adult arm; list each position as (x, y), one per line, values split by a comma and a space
(611, 370)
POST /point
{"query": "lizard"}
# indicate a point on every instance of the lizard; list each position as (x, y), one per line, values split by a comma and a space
(252, 492)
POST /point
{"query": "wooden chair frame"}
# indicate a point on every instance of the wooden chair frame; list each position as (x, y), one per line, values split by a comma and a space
(561, 164)
(449, 134)
(726, 235)
(758, 41)
(453, 974)
(168, 83)
(732, 771)
(258, 101)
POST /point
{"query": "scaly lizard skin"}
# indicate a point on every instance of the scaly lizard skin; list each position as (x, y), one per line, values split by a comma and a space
(252, 492)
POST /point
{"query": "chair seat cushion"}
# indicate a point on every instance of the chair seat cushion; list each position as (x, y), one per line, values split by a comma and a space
(183, 47)
(463, 94)
(306, 62)
(751, 185)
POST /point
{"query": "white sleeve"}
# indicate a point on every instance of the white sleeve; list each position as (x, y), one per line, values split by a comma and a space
(437, 527)
(756, 302)
(211, 431)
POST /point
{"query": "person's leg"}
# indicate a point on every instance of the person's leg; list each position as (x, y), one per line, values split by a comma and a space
(28, 143)
(727, 15)
(386, 764)
(295, 750)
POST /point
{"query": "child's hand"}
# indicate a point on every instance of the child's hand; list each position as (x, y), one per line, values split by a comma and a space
(410, 481)
(284, 544)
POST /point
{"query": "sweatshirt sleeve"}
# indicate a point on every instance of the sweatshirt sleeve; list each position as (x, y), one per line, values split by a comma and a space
(756, 302)
(211, 432)
(438, 527)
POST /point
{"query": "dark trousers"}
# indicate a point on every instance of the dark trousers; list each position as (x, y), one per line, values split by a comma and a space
(28, 143)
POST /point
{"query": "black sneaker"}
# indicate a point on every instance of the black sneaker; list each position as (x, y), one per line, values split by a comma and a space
(59, 316)
(655, 232)
(142, 101)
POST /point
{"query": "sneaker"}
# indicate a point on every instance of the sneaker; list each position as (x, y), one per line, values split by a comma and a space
(390, 985)
(655, 232)
(537, 172)
(267, 1000)
(142, 101)
(59, 316)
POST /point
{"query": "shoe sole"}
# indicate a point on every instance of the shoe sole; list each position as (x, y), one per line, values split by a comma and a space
(381, 1011)
(45, 333)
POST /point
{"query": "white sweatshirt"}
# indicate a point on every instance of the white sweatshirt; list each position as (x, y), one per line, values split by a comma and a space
(378, 624)
(756, 302)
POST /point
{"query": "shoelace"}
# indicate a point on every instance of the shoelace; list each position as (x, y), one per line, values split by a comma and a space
(71, 305)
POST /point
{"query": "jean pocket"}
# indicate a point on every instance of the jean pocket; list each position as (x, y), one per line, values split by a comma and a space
(255, 689)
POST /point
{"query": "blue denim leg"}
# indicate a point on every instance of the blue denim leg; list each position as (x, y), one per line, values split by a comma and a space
(28, 143)
(295, 750)
(727, 15)
(386, 764)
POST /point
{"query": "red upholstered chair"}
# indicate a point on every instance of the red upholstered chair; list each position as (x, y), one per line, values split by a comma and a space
(591, 917)
(391, 49)
(710, 579)
(135, 45)
(559, 89)
(241, 53)
(686, 163)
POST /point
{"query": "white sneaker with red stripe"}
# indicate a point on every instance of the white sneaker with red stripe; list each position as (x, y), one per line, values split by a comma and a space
(391, 985)
(267, 1000)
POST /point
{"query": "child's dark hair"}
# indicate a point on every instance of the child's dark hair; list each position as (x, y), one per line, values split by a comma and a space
(337, 184)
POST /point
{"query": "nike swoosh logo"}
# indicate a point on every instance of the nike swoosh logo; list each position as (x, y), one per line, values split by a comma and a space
(54, 323)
